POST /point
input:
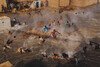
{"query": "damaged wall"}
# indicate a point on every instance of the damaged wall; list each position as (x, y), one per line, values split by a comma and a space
(76, 3)
(83, 3)
(57, 3)
(65, 3)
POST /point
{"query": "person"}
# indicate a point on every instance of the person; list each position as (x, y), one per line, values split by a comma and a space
(29, 14)
(55, 56)
(9, 41)
(46, 28)
(68, 24)
(18, 6)
(85, 49)
(6, 47)
(11, 6)
(65, 55)
(76, 60)
(96, 45)
(58, 22)
(27, 50)
(13, 21)
(3, 8)
(42, 4)
(20, 50)
(46, 3)
(42, 40)
(44, 54)
(54, 33)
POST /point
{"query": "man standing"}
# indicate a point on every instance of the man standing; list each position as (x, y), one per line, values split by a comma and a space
(46, 3)
(54, 33)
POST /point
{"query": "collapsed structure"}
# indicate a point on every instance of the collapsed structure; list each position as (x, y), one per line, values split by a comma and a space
(54, 4)
(66, 3)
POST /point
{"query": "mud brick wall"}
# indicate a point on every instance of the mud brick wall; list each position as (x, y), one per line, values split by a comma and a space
(83, 3)
(64, 2)
(76, 3)
(53, 3)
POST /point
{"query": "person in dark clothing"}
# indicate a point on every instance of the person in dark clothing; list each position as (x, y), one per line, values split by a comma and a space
(68, 24)
(94, 43)
(3, 8)
(37, 4)
(27, 50)
(55, 56)
(21, 50)
(46, 3)
(85, 49)
(97, 46)
(46, 28)
(65, 55)
(6, 47)
(9, 41)
(44, 54)
(14, 22)
(54, 33)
